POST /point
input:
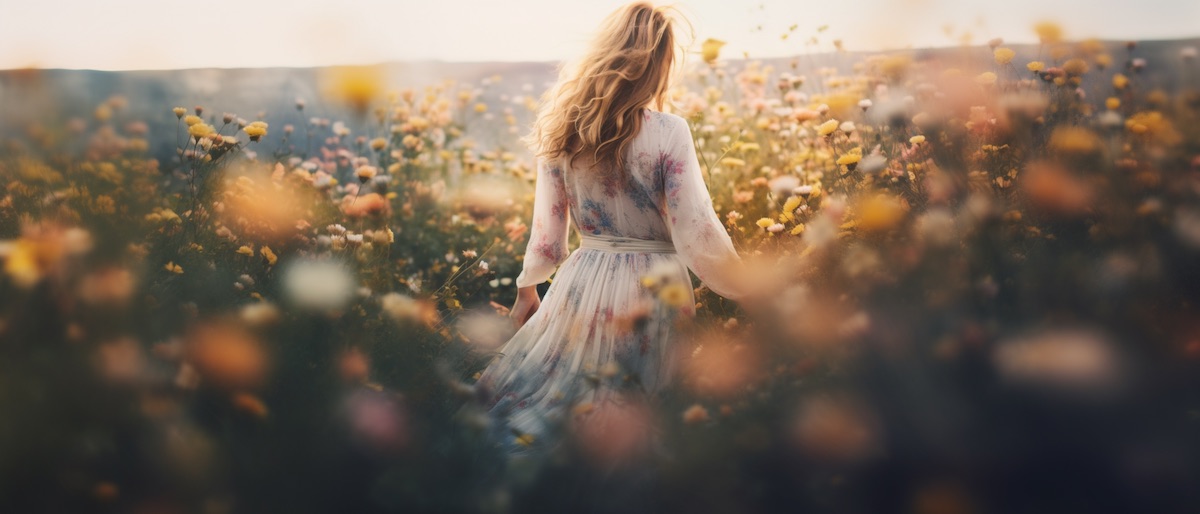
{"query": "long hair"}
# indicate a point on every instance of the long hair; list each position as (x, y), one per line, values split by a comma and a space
(596, 106)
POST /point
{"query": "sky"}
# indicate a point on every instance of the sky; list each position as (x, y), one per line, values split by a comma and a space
(171, 34)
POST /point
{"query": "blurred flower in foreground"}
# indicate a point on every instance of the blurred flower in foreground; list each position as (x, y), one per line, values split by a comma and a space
(1080, 360)
(485, 329)
(318, 284)
(612, 432)
(227, 355)
(40, 250)
(835, 429)
(377, 420)
(720, 368)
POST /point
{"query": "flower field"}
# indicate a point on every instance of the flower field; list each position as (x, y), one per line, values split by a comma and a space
(976, 276)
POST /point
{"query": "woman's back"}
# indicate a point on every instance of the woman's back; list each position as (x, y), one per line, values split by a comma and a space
(661, 197)
(605, 203)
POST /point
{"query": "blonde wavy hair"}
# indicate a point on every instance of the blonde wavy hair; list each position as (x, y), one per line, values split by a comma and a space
(596, 106)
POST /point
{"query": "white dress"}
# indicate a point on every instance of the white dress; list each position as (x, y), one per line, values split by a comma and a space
(598, 319)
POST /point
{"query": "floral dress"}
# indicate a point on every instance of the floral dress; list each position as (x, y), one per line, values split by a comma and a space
(602, 316)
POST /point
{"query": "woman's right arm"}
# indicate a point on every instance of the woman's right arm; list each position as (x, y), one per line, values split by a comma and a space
(699, 237)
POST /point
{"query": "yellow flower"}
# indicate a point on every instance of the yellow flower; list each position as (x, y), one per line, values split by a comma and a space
(850, 158)
(524, 439)
(1075, 67)
(256, 130)
(365, 173)
(916, 140)
(1049, 32)
(200, 130)
(986, 78)
(798, 229)
(764, 222)
(1074, 140)
(791, 204)
(1112, 103)
(355, 85)
(179, 112)
(879, 213)
(269, 255)
(246, 250)
(733, 162)
(711, 49)
(480, 107)
(1035, 66)
(675, 295)
(192, 119)
(378, 144)
(174, 268)
(1120, 81)
(827, 128)
(1003, 55)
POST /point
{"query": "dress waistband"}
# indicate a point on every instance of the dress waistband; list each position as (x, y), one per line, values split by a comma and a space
(625, 244)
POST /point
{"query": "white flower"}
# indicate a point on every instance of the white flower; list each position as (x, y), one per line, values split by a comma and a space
(865, 103)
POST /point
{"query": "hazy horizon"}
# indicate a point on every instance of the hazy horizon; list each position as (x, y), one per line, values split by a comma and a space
(145, 35)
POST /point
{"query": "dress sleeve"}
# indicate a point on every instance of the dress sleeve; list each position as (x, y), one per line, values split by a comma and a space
(547, 246)
(699, 237)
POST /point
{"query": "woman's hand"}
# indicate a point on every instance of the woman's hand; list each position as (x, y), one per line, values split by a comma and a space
(527, 304)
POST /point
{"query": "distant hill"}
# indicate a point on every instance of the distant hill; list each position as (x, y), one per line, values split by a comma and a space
(55, 94)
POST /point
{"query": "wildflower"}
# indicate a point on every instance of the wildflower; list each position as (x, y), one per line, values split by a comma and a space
(797, 230)
(1049, 32)
(790, 206)
(200, 130)
(179, 112)
(986, 78)
(1003, 55)
(827, 128)
(378, 144)
(174, 268)
(192, 119)
(268, 254)
(711, 49)
(256, 130)
(1074, 140)
(695, 414)
(847, 127)
(365, 173)
(764, 222)
(775, 228)
(246, 250)
(674, 295)
(1119, 81)
(851, 158)
(1075, 67)
(865, 104)
(1035, 66)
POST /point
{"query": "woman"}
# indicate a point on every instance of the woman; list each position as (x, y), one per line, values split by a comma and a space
(628, 179)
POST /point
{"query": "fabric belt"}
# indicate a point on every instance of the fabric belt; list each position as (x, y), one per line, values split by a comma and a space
(625, 244)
